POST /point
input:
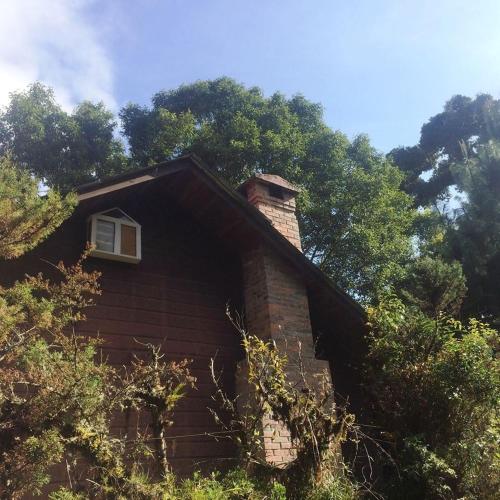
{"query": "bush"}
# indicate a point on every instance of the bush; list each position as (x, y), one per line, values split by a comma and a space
(435, 387)
(57, 398)
(305, 407)
(234, 485)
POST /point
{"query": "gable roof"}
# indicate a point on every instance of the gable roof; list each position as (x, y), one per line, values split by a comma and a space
(321, 288)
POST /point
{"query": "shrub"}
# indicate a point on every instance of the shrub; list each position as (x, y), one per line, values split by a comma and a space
(57, 398)
(435, 387)
(307, 409)
(235, 485)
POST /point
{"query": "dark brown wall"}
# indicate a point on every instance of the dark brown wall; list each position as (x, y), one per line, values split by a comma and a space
(176, 296)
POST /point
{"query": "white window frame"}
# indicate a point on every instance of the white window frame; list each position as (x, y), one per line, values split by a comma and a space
(116, 255)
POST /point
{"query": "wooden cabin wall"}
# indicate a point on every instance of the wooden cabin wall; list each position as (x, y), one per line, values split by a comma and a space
(176, 296)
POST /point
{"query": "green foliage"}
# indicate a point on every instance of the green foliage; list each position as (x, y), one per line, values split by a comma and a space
(158, 386)
(48, 381)
(435, 386)
(448, 137)
(62, 149)
(335, 487)
(474, 239)
(426, 474)
(156, 135)
(57, 398)
(30, 460)
(25, 217)
(65, 494)
(355, 221)
(358, 225)
(459, 147)
(433, 286)
(234, 485)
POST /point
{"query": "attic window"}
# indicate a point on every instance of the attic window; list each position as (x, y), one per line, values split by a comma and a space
(276, 191)
(115, 236)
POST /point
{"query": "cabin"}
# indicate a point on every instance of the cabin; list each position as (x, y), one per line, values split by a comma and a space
(177, 247)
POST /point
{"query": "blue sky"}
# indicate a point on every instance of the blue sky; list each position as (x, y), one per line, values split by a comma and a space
(378, 67)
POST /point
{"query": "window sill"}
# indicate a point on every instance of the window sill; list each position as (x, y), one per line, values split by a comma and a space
(101, 254)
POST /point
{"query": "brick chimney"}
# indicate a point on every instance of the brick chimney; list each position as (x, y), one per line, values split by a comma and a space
(276, 303)
(275, 198)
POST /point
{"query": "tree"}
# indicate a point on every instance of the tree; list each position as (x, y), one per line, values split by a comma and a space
(355, 221)
(435, 386)
(474, 239)
(448, 137)
(235, 130)
(62, 149)
(460, 148)
(433, 286)
(25, 217)
(361, 240)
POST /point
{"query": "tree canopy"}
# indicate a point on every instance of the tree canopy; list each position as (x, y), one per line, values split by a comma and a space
(26, 218)
(433, 286)
(447, 138)
(474, 237)
(459, 147)
(61, 149)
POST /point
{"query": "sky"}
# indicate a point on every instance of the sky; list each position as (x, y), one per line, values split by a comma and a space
(380, 67)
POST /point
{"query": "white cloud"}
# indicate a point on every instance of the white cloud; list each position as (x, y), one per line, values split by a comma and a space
(55, 42)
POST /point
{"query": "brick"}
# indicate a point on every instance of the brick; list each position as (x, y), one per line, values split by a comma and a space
(282, 440)
(280, 212)
(272, 446)
(276, 307)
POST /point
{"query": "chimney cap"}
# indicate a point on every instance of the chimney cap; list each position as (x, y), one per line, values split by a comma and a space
(275, 180)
